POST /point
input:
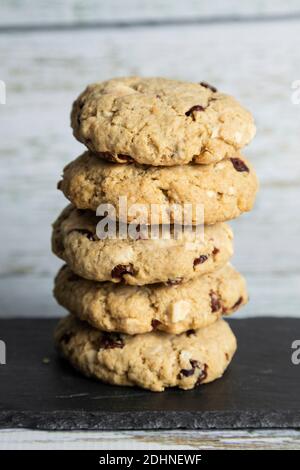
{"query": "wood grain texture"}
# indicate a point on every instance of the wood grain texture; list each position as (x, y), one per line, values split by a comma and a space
(44, 72)
(42, 12)
(150, 440)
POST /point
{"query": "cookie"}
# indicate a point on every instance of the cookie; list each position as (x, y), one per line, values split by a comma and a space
(136, 310)
(153, 361)
(156, 121)
(225, 189)
(138, 261)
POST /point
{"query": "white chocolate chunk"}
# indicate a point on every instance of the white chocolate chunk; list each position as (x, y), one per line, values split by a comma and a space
(179, 310)
(211, 194)
(123, 256)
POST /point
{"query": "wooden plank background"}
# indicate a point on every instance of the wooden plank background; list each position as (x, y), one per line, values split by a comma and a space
(43, 12)
(44, 70)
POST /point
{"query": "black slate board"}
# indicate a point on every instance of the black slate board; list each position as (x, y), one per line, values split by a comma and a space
(261, 389)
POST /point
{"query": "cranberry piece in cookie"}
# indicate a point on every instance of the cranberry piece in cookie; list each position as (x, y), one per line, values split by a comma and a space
(202, 375)
(121, 269)
(215, 302)
(194, 109)
(210, 87)
(111, 341)
(155, 324)
(200, 260)
(239, 165)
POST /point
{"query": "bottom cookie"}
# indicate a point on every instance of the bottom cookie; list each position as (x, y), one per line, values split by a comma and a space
(153, 361)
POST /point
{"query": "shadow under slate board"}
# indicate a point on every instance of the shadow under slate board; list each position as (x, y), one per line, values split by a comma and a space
(261, 389)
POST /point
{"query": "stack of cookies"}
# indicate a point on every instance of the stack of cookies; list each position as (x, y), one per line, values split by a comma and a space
(147, 310)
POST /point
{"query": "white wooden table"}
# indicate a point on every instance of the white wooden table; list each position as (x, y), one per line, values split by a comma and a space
(150, 440)
(45, 70)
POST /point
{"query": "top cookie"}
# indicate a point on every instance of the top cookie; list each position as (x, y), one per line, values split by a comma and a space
(156, 121)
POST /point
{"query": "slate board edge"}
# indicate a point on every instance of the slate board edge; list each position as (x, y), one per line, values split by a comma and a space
(75, 421)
